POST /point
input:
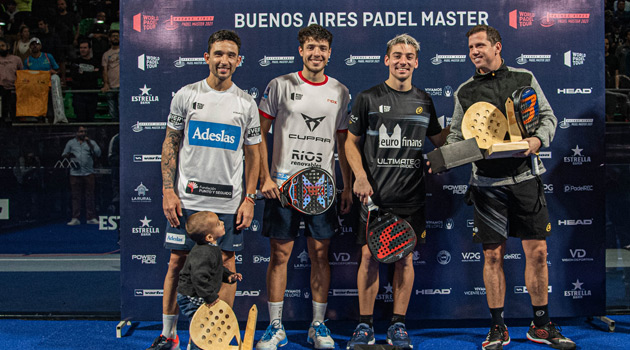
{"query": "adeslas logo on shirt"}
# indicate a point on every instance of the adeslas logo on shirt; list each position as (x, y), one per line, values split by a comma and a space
(206, 134)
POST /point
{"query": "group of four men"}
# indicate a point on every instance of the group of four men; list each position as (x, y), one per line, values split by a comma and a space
(206, 173)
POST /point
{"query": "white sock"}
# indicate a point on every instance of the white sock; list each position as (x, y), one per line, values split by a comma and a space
(169, 325)
(275, 310)
(319, 311)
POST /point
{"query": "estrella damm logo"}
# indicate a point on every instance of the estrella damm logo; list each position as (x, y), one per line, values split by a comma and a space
(214, 135)
(548, 229)
(419, 110)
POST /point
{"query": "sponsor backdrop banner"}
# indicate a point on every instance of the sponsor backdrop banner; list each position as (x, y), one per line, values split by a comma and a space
(163, 44)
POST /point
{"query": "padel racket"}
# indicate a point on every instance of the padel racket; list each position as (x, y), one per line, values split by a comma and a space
(214, 327)
(527, 117)
(310, 191)
(526, 110)
(389, 237)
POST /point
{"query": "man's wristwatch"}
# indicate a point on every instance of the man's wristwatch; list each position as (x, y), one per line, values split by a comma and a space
(251, 196)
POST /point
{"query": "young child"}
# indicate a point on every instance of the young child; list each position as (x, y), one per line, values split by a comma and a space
(201, 277)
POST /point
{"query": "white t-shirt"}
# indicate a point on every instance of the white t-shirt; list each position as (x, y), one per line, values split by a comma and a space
(216, 124)
(306, 118)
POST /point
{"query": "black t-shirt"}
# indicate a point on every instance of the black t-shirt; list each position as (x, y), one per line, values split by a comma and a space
(394, 125)
(85, 73)
(612, 65)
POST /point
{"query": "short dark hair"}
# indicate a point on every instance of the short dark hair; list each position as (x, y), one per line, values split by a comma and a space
(223, 35)
(85, 40)
(315, 32)
(43, 19)
(491, 33)
(197, 227)
(113, 31)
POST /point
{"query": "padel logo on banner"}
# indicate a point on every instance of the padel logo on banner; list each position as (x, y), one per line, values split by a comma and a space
(267, 60)
(352, 60)
(523, 59)
(521, 19)
(143, 158)
(148, 292)
(577, 158)
(188, 61)
(439, 59)
(147, 62)
(572, 59)
(142, 194)
(566, 122)
(139, 126)
(143, 22)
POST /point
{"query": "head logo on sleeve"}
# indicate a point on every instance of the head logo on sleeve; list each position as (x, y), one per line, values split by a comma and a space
(214, 135)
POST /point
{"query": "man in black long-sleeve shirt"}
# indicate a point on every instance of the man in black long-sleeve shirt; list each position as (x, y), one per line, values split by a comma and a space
(201, 277)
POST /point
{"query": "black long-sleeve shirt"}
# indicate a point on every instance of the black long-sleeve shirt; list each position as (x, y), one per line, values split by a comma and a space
(203, 273)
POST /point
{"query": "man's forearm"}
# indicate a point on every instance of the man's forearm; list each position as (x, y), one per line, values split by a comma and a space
(170, 150)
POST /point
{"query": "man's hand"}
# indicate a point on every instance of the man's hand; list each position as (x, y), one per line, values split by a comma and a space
(245, 214)
(534, 145)
(269, 189)
(363, 189)
(172, 207)
(235, 277)
(346, 201)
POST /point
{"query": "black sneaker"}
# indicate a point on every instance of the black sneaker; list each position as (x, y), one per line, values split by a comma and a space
(164, 343)
(497, 337)
(550, 334)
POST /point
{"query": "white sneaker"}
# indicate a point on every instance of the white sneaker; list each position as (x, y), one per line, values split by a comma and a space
(274, 337)
(319, 336)
(74, 222)
(92, 222)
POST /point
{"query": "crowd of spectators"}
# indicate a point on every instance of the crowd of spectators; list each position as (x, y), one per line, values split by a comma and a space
(75, 39)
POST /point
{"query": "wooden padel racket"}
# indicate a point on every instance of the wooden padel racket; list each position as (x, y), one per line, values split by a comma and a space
(310, 191)
(389, 237)
(486, 123)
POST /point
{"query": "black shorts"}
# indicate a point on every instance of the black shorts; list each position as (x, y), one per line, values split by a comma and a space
(518, 210)
(284, 222)
(413, 215)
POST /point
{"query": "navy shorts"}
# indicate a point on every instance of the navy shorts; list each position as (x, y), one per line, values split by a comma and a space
(415, 216)
(284, 223)
(518, 210)
(177, 239)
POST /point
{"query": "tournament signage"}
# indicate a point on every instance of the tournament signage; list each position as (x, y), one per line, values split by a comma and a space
(162, 51)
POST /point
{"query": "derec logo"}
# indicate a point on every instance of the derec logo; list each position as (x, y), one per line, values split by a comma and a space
(206, 134)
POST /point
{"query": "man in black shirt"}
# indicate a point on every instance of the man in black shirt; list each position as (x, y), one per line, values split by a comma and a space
(388, 127)
(85, 72)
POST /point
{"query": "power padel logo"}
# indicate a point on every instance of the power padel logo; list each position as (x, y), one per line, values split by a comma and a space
(209, 190)
(312, 123)
(214, 135)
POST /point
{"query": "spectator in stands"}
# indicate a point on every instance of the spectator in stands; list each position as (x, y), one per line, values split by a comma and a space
(621, 12)
(50, 40)
(82, 151)
(21, 46)
(622, 52)
(111, 73)
(99, 35)
(8, 17)
(612, 67)
(85, 72)
(9, 65)
(39, 60)
(23, 14)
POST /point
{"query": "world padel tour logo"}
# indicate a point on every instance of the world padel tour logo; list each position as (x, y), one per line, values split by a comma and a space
(523, 59)
(521, 19)
(214, 135)
(439, 59)
(267, 60)
(518, 19)
(574, 58)
(142, 22)
(352, 60)
(147, 62)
